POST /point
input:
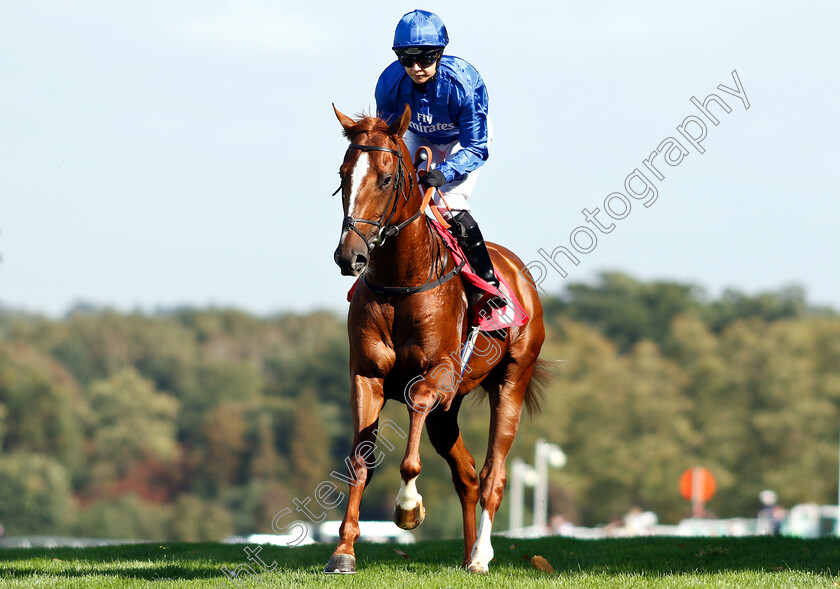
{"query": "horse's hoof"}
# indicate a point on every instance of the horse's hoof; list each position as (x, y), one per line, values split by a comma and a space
(408, 519)
(477, 568)
(341, 564)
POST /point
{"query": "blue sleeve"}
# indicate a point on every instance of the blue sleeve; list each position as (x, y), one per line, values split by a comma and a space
(472, 134)
(387, 94)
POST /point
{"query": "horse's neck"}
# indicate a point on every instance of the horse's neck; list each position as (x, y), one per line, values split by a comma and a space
(406, 259)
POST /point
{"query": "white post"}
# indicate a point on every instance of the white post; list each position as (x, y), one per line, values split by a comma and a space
(698, 480)
(544, 454)
(517, 494)
(521, 476)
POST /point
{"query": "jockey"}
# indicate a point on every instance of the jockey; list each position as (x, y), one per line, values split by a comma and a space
(448, 103)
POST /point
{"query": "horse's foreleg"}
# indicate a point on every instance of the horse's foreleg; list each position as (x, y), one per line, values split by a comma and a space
(445, 436)
(421, 398)
(368, 400)
(505, 412)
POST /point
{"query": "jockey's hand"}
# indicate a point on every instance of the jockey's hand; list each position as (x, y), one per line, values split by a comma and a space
(433, 179)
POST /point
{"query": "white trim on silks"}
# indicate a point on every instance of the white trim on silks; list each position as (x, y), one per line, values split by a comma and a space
(408, 498)
(482, 552)
(358, 174)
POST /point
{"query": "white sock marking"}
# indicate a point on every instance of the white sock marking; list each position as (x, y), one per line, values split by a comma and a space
(408, 498)
(482, 552)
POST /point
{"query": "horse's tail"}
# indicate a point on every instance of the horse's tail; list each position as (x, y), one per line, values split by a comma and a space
(541, 377)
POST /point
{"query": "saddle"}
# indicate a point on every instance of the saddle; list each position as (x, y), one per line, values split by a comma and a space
(485, 317)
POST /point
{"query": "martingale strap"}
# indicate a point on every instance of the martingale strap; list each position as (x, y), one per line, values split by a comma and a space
(407, 290)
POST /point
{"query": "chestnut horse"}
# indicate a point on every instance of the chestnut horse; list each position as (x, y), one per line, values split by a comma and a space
(407, 323)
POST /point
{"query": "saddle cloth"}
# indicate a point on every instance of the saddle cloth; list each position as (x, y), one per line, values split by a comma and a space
(487, 318)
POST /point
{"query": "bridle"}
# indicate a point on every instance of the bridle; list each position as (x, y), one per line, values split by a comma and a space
(384, 228)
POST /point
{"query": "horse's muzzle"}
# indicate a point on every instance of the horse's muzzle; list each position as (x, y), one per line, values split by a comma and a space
(351, 261)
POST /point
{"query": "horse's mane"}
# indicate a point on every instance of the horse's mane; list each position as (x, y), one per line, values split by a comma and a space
(366, 124)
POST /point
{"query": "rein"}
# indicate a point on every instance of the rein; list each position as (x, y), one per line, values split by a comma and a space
(385, 229)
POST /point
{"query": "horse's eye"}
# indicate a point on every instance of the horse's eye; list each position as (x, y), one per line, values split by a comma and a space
(387, 180)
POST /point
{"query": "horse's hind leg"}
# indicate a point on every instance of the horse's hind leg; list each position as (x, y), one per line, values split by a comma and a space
(506, 402)
(445, 436)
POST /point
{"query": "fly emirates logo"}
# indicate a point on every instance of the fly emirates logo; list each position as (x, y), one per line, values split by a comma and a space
(426, 126)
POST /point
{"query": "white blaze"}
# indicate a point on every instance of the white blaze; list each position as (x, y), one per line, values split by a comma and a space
(358, 174)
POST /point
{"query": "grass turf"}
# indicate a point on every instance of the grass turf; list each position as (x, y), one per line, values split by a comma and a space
(640, 562)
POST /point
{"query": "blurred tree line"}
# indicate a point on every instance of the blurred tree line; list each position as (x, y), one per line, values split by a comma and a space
(198, 424)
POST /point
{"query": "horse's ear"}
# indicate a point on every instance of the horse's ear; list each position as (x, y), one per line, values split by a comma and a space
(399, 127)
(345, 121)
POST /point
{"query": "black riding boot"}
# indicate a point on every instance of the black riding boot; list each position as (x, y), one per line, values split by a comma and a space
(468, 233)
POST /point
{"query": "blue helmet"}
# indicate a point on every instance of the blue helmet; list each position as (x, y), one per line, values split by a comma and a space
(420, 28)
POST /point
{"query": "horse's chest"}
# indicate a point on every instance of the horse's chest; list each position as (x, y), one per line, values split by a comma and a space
(415, 341)
(412, 356)
(428, 341)
(411, 360)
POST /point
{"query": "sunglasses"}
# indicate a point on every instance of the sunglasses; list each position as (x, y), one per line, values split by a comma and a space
(424, 60)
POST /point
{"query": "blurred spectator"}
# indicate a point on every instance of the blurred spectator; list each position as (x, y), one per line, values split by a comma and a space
(560, 526)
(772, 515)
(638, 522)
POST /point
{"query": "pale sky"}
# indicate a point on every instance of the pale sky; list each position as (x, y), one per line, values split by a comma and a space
(157, 154)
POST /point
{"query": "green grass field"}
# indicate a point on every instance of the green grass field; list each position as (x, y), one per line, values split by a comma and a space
(649, 562)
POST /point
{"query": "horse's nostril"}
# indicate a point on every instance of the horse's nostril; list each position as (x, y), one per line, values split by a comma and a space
(359, 261)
